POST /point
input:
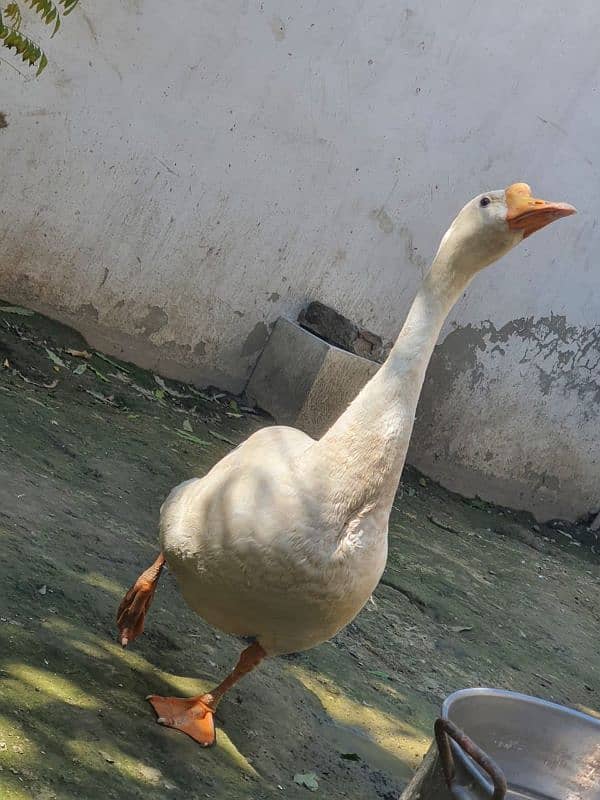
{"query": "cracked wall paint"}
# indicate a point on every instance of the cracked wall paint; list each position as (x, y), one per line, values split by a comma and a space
(519, 406)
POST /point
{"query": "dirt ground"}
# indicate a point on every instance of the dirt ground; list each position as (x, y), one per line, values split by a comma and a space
(472, 595)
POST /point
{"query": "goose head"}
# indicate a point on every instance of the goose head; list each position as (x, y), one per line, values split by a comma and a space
(493, 223)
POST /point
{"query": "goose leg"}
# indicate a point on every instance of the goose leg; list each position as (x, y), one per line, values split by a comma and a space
(135, 604)
(195, 715)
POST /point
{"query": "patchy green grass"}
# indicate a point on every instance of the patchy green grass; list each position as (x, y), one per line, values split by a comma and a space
(472, 596)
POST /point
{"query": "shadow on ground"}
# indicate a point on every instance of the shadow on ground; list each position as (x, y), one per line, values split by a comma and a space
(472, 595)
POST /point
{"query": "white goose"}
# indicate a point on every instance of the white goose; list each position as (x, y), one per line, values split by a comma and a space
(285, 539)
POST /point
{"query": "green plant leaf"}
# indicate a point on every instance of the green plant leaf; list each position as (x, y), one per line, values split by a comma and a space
(111, 362)
(25, 47)
(191, 438)
(55, 359)
(221, 437)
(13, 13)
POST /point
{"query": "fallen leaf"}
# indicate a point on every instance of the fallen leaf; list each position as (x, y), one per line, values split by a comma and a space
(37, 402)
(380, 674)
(446, 523)
(350, 756)
(143, 392)
(191, 438)
(203, 395)
(23, 312)
(110, 361)
(99, 374)
(187, 426)
(78, 353)
(168, 389)
(5, 364)
(221, 437)
(51, 385)
(54, 358)
(43, 589)
(422, 482)
(100, 397)
(80, 369)
(307, 779)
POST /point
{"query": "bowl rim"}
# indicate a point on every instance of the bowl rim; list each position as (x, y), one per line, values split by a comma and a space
(466, 762)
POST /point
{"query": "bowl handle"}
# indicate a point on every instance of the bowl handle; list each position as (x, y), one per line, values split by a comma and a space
(444, 729)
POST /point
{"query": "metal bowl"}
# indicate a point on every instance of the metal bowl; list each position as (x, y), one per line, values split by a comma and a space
(546, 751)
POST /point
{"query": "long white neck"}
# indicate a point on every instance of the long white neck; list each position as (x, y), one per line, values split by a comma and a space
(367, 445)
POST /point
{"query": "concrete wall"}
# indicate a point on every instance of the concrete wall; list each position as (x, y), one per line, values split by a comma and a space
(190, 172)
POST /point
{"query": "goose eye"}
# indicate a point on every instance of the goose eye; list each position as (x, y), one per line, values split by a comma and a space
(485, 201)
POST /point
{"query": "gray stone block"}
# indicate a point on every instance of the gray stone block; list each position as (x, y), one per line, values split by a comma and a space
(303, 381)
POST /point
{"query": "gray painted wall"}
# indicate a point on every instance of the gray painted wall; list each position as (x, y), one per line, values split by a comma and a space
(191, 172)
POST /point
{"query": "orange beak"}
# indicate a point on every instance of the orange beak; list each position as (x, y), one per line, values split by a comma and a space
(526, 213)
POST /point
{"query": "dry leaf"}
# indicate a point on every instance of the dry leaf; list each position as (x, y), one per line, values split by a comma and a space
(78, 353)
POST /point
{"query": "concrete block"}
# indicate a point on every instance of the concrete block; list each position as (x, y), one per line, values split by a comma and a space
(303, 381)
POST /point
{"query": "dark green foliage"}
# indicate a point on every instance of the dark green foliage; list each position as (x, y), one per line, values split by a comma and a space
(12, 38)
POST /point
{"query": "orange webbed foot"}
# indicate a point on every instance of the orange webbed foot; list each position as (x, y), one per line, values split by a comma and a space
(135, 604)
(190, 715)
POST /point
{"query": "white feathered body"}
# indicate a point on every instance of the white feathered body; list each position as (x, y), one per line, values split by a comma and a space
(261, 547)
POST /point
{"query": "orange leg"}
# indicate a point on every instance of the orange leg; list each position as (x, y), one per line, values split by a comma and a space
(195, 715)
(135, 604)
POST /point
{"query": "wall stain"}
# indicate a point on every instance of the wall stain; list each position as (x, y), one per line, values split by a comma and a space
(176, 351)
(3, 120)
(90, 25)
(410, 250)
(155, 319)
(383, 219)
(278, 28)
(88, 311)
